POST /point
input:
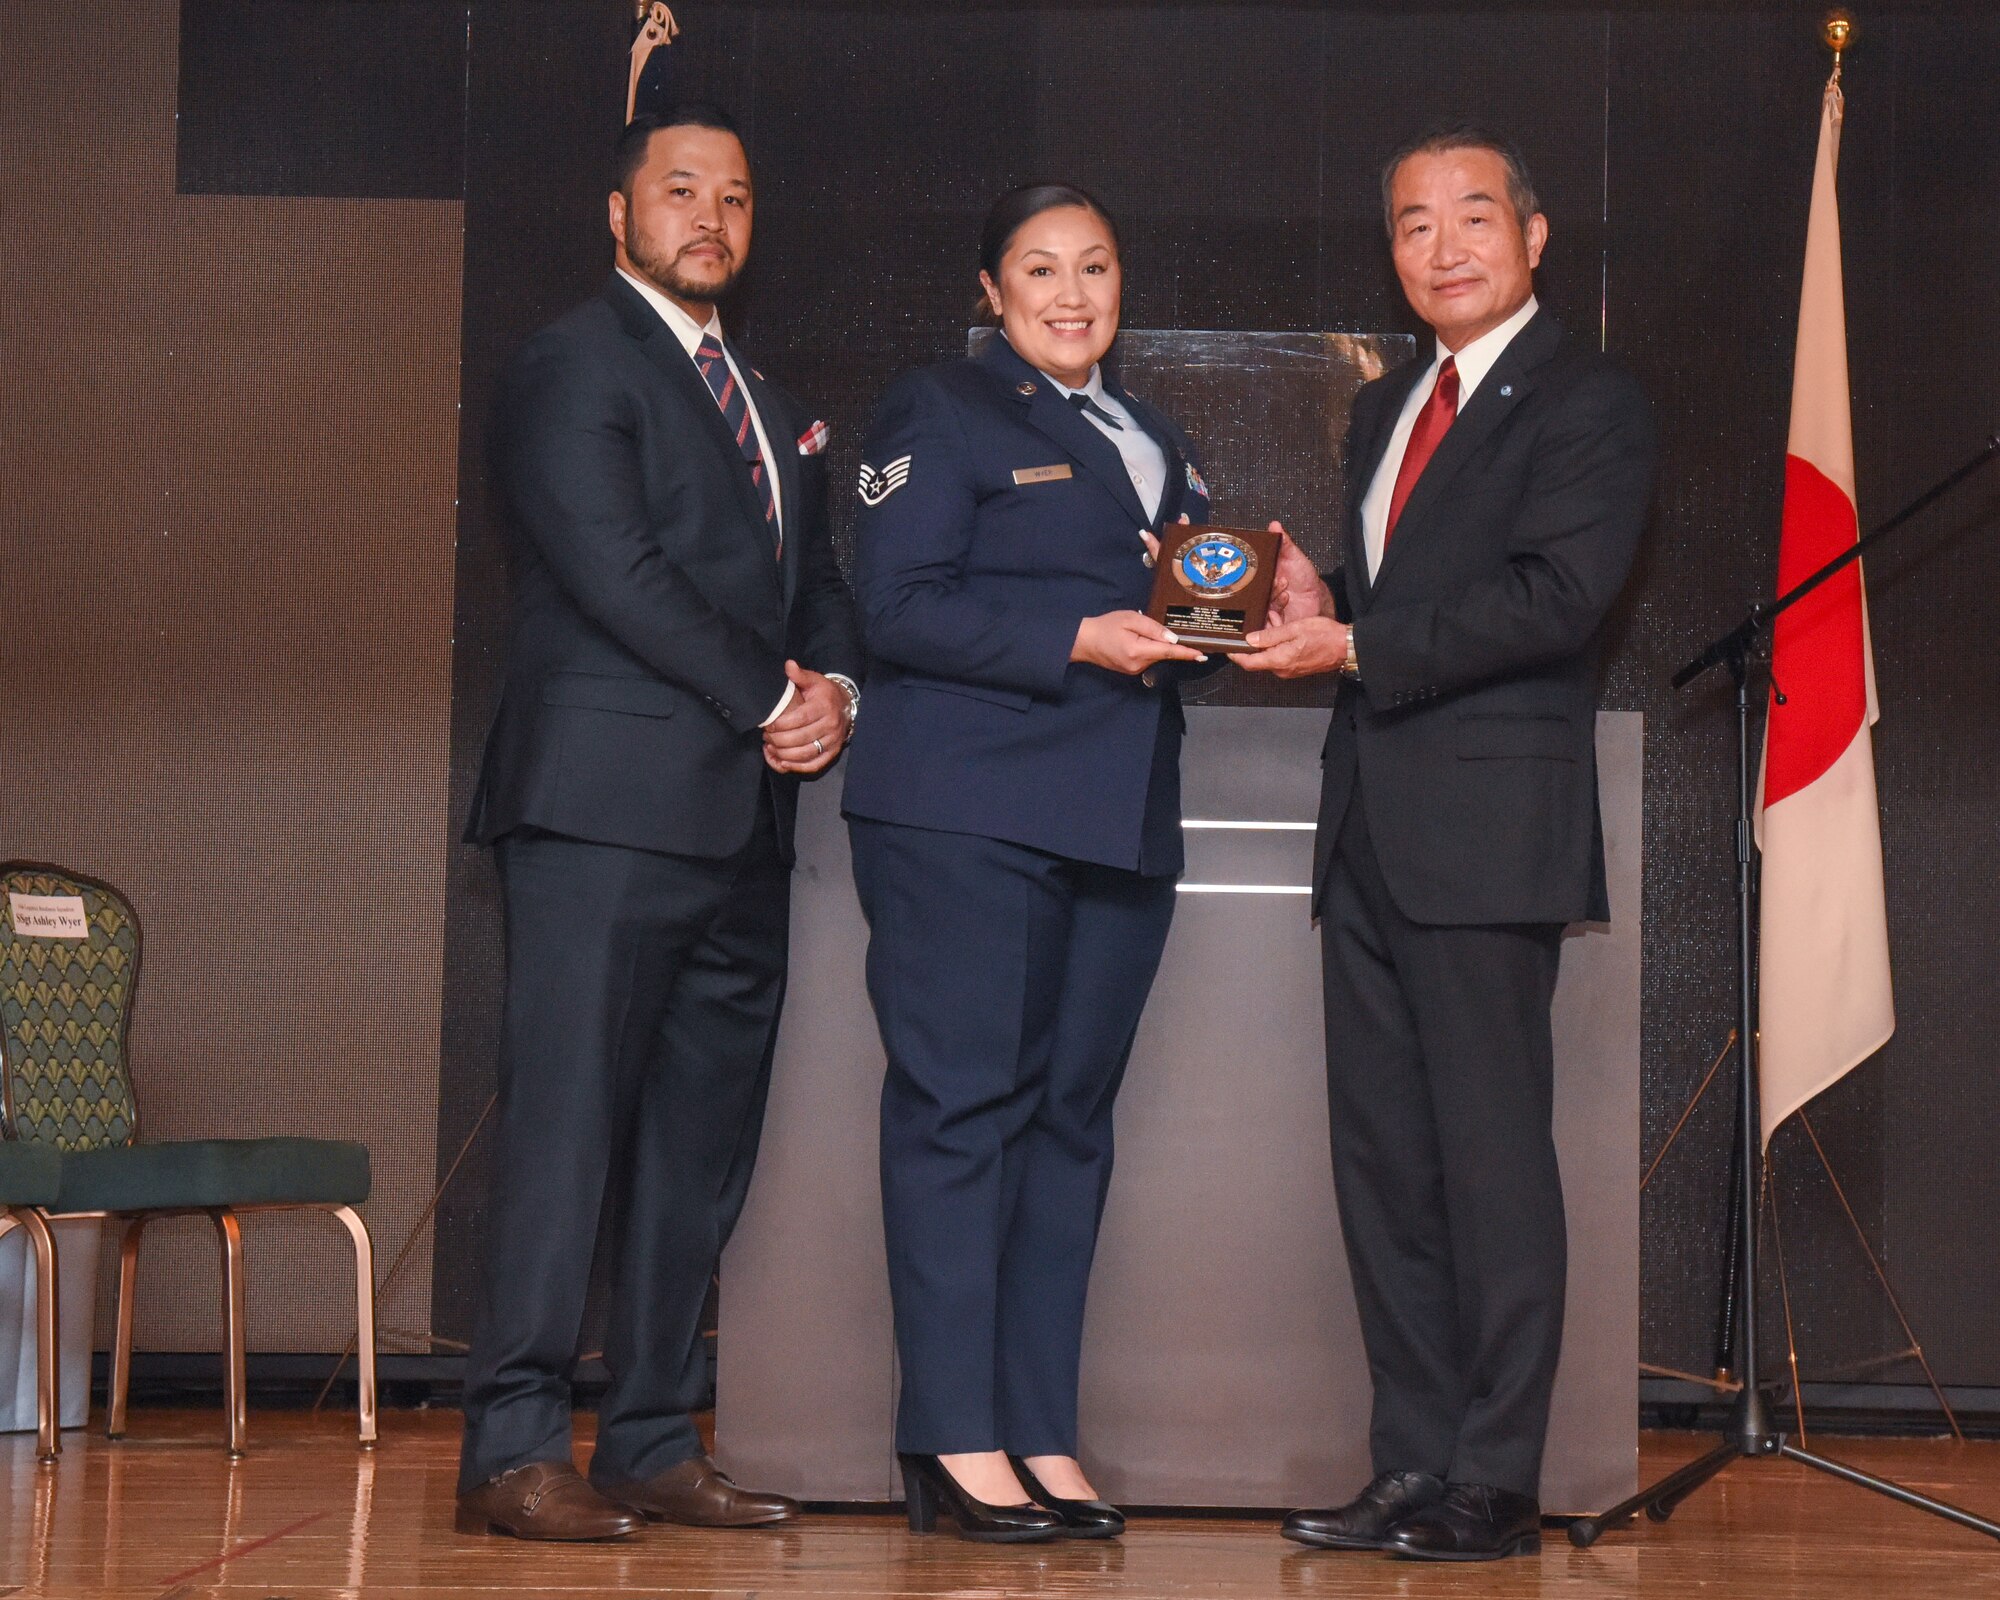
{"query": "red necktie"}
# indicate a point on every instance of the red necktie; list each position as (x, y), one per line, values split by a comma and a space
(1433, 422)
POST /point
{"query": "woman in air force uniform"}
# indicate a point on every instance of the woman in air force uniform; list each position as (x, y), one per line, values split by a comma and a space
(1013, 795)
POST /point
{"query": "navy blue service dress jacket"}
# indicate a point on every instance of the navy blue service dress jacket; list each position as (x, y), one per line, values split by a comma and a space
(995, 518)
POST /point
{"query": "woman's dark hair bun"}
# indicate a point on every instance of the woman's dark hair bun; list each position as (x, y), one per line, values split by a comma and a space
(1017, 206)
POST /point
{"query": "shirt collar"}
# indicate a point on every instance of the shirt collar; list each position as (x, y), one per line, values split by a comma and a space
(686, 329)
(1477, 358)
(1093, 386)
(1095, 391)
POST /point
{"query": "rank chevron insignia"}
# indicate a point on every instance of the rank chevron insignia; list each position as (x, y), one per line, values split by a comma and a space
(877, 486)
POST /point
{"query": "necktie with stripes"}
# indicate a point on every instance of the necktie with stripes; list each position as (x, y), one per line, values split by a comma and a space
(1433, 422)
(736, 412)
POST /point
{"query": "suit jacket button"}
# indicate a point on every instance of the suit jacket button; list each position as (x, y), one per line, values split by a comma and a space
(1150, 678)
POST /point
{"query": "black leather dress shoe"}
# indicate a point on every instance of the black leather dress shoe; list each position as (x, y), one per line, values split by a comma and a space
(1471, 1523)
(1081, 1519)
(1366, 1520)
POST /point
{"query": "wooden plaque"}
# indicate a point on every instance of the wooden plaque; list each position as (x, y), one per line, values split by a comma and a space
(1213, 585)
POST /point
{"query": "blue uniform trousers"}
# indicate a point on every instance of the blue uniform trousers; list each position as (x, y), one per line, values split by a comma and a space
(1008, 984)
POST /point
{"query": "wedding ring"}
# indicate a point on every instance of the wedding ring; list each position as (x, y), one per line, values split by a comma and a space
(818, 748)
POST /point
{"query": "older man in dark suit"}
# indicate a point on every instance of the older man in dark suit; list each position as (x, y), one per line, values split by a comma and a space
(1497, 487)
(672, 572)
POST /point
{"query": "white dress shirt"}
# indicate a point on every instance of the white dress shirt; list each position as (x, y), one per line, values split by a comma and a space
(1474, 362)
(1145, 462)
(691, 333)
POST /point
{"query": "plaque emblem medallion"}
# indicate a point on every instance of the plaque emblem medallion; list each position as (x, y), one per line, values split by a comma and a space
(1217, 566)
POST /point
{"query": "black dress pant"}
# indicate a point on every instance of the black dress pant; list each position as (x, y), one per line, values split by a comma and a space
(1008, 984)
(1440, 1084)
(642, 1005)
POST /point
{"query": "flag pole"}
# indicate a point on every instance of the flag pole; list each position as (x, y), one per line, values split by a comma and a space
(1751, 1430)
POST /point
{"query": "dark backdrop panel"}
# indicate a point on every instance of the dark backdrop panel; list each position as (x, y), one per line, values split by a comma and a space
(1709, 174)
(1239, 147)
(1539, 79)
(1935, 608)
(544, 100)
(1708, 180)
(358, 99)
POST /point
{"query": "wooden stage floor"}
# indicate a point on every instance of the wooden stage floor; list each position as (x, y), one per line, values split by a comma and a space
(307, 1516)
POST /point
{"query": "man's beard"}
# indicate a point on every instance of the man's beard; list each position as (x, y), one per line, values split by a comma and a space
(664, 273)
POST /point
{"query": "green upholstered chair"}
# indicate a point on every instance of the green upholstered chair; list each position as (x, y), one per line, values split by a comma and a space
(29, 1175)
(65, 1009)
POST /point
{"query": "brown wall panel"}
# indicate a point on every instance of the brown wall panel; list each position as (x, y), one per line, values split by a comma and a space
(228, 452)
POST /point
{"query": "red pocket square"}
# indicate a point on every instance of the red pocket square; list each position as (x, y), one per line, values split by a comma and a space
(813, 441)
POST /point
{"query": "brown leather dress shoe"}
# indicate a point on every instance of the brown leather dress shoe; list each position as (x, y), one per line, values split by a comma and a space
(543, 1500)
(699, 1494)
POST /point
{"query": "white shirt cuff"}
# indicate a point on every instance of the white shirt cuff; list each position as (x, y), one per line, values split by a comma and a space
(784, 702)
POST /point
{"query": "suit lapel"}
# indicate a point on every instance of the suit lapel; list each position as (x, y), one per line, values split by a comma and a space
(1504, 387)
(1376, 427)
(666, 353)
(1046, 409)
(784, 452)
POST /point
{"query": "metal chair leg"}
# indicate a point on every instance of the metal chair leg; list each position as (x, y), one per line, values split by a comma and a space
(121, 1335)
(48, 1336)
(234, 1400)
(48, 1329)
(364, 1318)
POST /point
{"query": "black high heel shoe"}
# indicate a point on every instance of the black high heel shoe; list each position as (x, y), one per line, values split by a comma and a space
(928, 1488)
(1081, 1519)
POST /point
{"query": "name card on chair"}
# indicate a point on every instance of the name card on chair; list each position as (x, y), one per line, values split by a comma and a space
(49, 916)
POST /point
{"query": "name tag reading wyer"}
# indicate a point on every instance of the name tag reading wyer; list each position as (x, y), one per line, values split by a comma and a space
(1042, 474)
(49, 916)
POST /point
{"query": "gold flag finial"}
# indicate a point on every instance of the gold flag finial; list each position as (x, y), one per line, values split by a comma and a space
(1836, 29)
(656, 26)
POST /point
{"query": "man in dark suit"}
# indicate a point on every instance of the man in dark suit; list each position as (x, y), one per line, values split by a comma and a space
(1497, 486)
(672, 570)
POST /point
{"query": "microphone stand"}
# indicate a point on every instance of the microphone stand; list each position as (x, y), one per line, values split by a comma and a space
(1750, 1430)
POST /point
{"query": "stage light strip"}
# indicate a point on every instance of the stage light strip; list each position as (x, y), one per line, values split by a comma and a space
(1272, 827)
(1243, 888)
(1245, 826)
